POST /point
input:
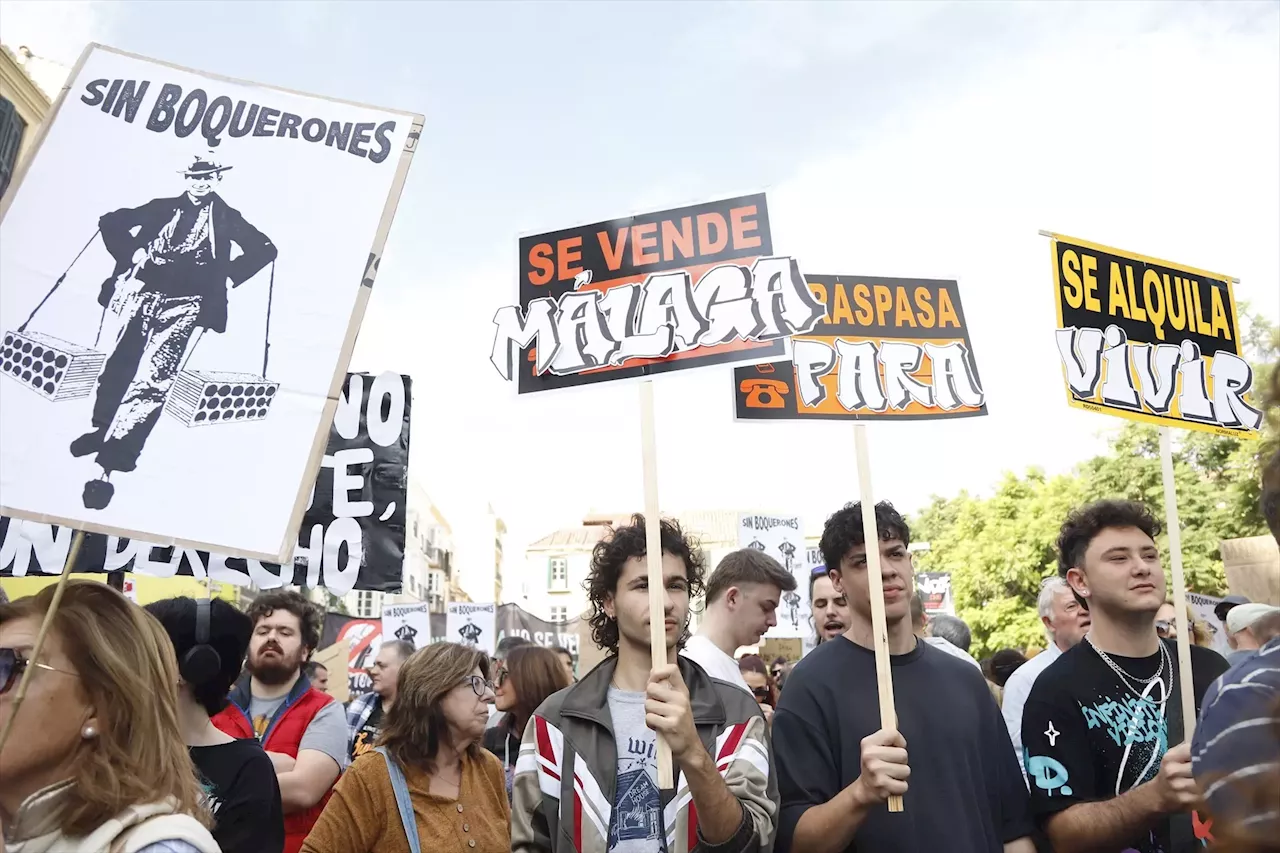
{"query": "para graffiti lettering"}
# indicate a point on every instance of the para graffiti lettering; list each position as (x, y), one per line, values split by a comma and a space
(1049, 774)
(876, 378)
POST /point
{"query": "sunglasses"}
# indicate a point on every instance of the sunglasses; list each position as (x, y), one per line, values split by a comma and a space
(479, 685)
(1165, 626)
(760, 692)
(12, 664)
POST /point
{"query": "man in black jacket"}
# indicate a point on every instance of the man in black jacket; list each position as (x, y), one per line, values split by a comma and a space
(173, 264)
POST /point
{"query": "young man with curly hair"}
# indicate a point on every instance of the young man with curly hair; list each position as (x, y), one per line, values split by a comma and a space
(1103, 726)
(837, 766)
(586, 780)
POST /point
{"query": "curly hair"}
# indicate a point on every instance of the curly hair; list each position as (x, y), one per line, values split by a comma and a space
(310, 618)
(1085, 523)
(843, 530)
(613, 552)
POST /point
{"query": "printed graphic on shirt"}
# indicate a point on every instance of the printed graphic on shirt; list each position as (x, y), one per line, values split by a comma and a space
(261, 723)
(635, 809)
(367, 736)
(1137, 725)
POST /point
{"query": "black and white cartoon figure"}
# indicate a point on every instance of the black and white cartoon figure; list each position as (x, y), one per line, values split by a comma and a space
(792, 600)
(757, 544)
(470, 633)
(174, 263)
(788, 552)
(407, 632)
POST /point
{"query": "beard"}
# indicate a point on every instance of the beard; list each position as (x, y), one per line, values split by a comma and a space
(279, 669)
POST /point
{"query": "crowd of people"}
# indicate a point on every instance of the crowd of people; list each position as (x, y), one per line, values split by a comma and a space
(189, 726)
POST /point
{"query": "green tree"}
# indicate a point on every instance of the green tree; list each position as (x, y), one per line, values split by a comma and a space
(997, 549)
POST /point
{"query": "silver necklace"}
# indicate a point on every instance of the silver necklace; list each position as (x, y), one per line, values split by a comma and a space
(1125, 677)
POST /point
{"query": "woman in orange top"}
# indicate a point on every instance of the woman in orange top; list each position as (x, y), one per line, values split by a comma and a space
(432, 735)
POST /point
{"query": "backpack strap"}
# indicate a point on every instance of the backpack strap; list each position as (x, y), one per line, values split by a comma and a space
(400, 787)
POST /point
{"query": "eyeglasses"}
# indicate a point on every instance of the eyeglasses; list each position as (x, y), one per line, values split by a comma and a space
(1165, 628)
(502, 677)
(480, 685)
(12, 664)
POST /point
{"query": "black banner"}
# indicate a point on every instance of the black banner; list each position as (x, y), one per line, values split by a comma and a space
(352, 535)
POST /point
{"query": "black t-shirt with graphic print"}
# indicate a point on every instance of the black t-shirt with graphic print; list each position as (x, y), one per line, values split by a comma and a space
(241, 790)
(1088, 737)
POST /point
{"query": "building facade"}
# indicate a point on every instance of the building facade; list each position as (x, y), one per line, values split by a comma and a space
(23, 108)
(557, 565)
(481, 542)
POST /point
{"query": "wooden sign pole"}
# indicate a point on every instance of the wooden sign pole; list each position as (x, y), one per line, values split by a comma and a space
(1179, 585)
(72, 554)
(875, 588)
(653, 562)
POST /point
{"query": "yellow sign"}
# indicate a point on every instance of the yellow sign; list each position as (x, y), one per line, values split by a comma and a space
(1150, 340)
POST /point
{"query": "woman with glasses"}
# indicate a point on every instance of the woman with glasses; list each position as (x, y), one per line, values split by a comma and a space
(95, 759)
(529, 675)
(761, 683)
(427, 785)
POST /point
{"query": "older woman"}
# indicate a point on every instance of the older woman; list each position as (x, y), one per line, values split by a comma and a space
(530, 674)
(96, 759)
(427, 786)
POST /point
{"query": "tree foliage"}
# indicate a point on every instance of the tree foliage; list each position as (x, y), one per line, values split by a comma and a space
(998, 548)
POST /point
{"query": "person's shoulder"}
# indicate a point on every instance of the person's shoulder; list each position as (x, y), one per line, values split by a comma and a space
(1204, 658)
(549, 710)
(1060, 674)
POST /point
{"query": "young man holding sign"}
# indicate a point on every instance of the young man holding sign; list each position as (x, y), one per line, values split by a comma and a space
(837, 765)
(1103, 726)
(587, 777)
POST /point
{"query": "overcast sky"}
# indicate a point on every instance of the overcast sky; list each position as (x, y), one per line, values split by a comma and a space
(907, 139)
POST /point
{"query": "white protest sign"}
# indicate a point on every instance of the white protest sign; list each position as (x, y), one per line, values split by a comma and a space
(1202, 607)
(782, 537)
(186, 262)
(472, 624)
(408, 622)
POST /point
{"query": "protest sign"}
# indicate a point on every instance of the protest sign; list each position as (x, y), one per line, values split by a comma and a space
(187, 260)
(782, 537)
(934, 589)
(515, 621)
(1202, 607)
(344, 544)
(1150, 340)
(408, 622)
(676, 289)
(472, 625)
(890, 348)
(363, 637)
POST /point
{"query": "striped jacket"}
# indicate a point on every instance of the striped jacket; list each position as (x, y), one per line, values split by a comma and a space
(563, 794)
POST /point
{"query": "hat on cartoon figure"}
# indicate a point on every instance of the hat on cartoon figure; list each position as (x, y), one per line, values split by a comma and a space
(205, 164)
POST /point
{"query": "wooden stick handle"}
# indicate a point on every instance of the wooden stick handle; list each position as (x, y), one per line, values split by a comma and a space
(653, 562)
(72, 554)
(1179, 584)
(875, 587)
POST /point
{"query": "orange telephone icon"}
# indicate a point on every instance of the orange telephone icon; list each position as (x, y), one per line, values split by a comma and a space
(764, 393)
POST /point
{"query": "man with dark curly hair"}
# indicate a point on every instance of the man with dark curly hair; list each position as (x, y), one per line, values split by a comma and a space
(303, 730)
(1103, 726)
(837, 766)
(587, 779)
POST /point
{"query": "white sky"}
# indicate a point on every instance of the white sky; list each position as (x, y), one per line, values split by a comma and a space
(916, 139)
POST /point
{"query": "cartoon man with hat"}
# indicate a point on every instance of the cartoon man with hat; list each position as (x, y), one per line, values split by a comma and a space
(174, 263)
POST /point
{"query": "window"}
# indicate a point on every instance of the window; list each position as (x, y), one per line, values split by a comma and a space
(559, 613)
(368, 604)
(12, 129)
(559, 573)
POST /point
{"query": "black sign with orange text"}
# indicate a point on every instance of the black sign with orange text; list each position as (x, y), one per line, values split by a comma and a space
(682, 288)
(887, 348)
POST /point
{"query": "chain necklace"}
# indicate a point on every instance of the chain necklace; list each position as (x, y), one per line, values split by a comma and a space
(1125, 677)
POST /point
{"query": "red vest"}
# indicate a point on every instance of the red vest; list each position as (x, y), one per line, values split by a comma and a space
(283, 735)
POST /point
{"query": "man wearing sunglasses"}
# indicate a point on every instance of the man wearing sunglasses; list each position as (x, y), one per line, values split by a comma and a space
(365, 713)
